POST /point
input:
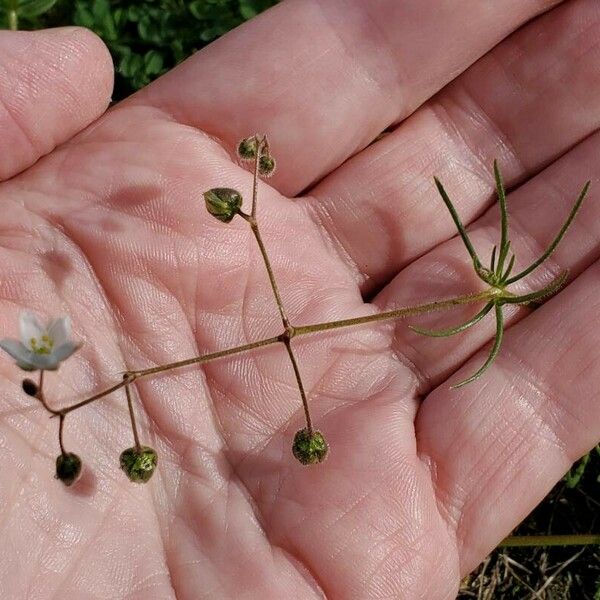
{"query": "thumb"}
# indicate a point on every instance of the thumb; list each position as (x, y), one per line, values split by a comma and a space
(53, 83)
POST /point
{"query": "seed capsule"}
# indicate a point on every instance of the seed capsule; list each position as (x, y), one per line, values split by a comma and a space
(309, 448)
(223, 203)
(139, 465)
(266, 165)
(30, 387)
(68, 468)
(247, 148)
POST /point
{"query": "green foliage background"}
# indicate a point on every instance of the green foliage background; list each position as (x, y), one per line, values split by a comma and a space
(145, 37)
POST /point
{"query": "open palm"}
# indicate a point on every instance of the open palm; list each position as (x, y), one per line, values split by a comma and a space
(110, 228)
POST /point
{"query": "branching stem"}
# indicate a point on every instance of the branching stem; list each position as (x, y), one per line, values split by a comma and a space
(302, 330)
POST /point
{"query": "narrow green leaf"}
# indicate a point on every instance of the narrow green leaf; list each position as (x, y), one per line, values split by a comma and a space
(576, 472)
(549, 290)
(511, 264)
(461, 228)
(494, 351)
(504, 243)
(557, 239)
(459, 328)
(493, 260)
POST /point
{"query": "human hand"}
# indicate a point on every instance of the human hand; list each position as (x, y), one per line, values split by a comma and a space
(421, 482)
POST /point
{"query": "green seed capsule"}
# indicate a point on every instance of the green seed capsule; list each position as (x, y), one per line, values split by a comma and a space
(68, 468)
(247, 148)
(223, 203)
(309, 448)
(266, 165)
(139, 466)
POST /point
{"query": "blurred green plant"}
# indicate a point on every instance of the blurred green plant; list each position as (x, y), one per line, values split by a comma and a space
(146, 37)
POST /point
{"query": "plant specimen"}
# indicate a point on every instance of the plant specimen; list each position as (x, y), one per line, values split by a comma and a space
(44, 348)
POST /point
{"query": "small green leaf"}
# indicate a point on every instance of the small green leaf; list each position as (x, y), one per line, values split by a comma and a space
(30, 9)
(130, 65)
(83, 16)
(247, 11)
(575, 474)
(153, 62)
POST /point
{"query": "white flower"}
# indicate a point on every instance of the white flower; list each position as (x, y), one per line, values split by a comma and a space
(40, 348)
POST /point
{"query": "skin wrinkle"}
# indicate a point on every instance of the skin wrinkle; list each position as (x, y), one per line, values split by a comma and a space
(549, 395)
(394, 97)
(82, 551)
(320, 215)
(476, 111)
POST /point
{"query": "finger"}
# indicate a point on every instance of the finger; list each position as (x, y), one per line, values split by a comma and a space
(53, 83)
(327, 77)
(526, 102)
(497, 447)
(537, 211)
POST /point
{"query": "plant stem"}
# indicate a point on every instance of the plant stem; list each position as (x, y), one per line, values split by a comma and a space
(204, 358)
(136, 437)
(289, 331)
(40, 395)
(254, 227)
(295, 331)
(110, 390)
(400, 313)
(294, 362)
(61, 425)
(259, 145)
(515, 541)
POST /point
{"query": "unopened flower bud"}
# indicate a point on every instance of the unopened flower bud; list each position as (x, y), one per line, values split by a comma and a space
(223, 203)
(139, 465)
(266, 165)
(310, 448)
(30, 387)
(247, 148)
(68, 468)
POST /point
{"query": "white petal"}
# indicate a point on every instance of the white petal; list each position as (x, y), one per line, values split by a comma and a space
(30, 327)
(25, 366)
(46, 362)
(63, 352)
(59, 331)
(19, 352)
(15, 348)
